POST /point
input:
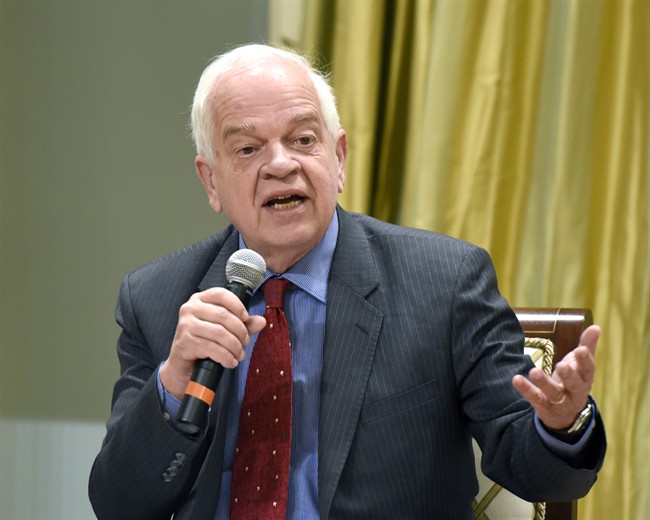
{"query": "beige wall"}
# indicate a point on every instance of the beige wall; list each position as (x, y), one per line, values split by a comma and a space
(286, 21)
(97, 178)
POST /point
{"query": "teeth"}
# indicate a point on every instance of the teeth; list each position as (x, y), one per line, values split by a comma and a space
(277, 203)
(287, 205)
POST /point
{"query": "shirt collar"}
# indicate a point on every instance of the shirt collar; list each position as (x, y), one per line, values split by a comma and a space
(311, 272)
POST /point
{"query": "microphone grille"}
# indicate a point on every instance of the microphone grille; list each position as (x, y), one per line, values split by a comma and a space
(246, 267)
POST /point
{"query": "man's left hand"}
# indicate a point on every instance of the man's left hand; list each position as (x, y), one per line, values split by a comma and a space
(559, 398)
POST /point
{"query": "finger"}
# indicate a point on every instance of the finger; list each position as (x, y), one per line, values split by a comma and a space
(204, 329)
(529, 391)
(589, 338)
(552, 388)
(224, 298)
(218, 343)
(255, 324)
(225, 321)
(205, 349)
(532, 393)
(197, 339)
(217, 306)
(221, 297)
(577, 369)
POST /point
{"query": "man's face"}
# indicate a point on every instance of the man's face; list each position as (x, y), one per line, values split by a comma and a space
(277, 171)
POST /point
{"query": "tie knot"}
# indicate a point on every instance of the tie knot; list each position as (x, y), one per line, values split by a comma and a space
(273, 290)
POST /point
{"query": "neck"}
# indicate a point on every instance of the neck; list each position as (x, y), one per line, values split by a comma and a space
(281, 261)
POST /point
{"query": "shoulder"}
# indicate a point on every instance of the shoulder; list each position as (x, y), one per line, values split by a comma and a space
(370, 251)
(407, 243)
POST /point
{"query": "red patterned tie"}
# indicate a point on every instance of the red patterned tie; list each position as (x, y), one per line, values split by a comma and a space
(260, 474)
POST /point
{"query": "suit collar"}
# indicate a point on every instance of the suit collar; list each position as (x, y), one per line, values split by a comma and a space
(353, 262)
(216, 274)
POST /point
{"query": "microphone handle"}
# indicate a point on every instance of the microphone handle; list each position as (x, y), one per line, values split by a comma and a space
(200, 391)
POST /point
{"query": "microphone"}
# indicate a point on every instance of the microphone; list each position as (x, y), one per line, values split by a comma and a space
(244, 271)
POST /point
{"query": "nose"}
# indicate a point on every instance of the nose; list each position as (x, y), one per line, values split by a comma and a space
(279, 161)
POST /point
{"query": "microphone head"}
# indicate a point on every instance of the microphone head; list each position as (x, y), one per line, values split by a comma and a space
(246, 267)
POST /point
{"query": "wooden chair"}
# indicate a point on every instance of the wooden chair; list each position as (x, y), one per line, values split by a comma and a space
(550, 333)
(563, 328)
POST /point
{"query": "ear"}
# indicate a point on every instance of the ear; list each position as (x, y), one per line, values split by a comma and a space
(342, 156)
(207, 176)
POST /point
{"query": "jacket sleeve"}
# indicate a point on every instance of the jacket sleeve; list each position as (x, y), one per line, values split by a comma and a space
(145, 466)
(488, 343)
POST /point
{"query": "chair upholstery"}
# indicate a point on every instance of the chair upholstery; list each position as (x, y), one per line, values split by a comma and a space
(550, 334)
(492, 501)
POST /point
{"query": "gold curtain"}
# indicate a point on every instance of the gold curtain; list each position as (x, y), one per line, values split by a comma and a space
(521, 126)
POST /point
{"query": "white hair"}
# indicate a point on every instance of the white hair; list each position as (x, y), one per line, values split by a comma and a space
(202, 116)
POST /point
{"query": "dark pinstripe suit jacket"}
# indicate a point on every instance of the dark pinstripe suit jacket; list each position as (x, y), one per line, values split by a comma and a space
(419, 352)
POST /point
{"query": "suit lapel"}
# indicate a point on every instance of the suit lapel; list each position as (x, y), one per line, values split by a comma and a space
(351, 333)
(216, 274)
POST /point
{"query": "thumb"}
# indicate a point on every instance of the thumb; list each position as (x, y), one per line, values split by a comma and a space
(589, 338)
(255, 324)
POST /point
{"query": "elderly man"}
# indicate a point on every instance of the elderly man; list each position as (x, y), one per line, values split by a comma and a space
(401, 346)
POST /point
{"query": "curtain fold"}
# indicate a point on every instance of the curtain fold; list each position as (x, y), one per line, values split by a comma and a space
(522, 127)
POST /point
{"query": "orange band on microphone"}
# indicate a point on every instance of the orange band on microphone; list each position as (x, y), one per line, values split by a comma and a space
(200, 392)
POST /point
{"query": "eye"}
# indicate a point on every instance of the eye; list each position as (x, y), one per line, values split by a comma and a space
(305, 140)
(246, 150)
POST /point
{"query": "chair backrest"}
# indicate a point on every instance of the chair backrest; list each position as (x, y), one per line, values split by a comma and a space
(550, 334)
(563, 327)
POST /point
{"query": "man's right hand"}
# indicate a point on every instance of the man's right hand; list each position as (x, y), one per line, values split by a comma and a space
(211, 324)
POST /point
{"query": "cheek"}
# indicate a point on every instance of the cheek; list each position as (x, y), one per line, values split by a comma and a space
(239, 191)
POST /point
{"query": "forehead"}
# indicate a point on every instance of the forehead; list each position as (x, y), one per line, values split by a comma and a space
(271, 90)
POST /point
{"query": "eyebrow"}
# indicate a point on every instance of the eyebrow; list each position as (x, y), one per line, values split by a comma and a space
(243, 128)
(306, 117)
(248, 128)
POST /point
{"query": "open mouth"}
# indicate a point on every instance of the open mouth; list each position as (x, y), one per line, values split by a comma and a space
(285, 202)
